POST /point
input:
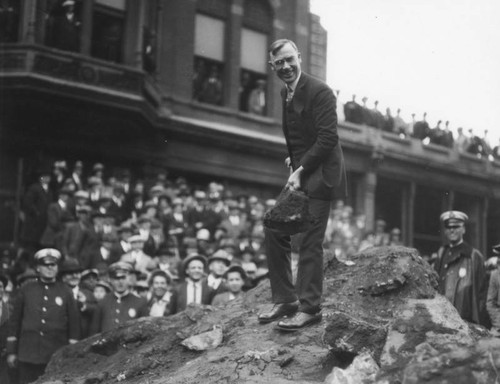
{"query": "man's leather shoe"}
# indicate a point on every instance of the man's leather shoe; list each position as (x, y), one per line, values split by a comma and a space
(278, 311)
(298, 321)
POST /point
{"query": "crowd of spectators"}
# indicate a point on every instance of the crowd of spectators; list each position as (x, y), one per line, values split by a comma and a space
(346, 233)
(166, 232)
(420, 129)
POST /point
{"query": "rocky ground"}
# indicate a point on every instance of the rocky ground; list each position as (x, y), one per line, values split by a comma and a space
(382, 323)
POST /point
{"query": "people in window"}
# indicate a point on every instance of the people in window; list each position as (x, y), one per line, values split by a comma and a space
(64, 27)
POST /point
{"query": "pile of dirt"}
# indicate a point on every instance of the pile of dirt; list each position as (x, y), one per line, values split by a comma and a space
(384, 306)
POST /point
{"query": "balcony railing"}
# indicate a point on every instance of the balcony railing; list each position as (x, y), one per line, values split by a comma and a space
(82, 71)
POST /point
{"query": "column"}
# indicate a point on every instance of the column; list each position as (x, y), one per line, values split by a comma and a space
(233, 54)
(365, 198)
(86, 32)
(483, 227)
(28, 20)
(176, 47)
(134, 20)
(408, 208)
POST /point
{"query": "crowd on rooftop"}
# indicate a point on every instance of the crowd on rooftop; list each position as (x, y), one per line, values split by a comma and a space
(471, 143)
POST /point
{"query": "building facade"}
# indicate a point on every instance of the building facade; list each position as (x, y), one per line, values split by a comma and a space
(184, 85)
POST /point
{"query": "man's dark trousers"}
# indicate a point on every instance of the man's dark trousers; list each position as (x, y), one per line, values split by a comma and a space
(309, 285)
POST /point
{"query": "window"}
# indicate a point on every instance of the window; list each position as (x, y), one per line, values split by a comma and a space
(149, 40)
(257, 25)
(208, 60)
(9, 21)
(107, 30)
(63, 26)
(253, 80)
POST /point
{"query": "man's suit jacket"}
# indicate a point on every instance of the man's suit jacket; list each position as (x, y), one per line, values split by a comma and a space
(82, 243)
(312, 116)
(35, 204)
(178, 301)
(57, 217)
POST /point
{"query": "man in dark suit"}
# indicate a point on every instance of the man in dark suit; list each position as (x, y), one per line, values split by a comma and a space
(194, 289)
(59, 214)
(317, 167)
(80, 241)
(35, 204)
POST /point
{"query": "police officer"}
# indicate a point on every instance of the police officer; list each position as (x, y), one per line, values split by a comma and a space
(462, 276)
(45, 318)
(121, 305)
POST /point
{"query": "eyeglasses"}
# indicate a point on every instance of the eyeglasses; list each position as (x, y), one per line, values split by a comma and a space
(278, 64)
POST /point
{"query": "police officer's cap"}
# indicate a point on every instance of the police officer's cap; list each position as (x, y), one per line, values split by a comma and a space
(120, 269)
(44, 255)
(453, 218)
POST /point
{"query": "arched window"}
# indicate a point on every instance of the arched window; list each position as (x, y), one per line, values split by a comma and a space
(209, 51)
(257, 26)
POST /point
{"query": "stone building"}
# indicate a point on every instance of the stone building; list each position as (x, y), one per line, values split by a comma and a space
(168, 84)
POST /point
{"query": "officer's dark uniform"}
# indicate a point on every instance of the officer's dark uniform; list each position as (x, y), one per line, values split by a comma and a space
(115, 309)
(45, 318)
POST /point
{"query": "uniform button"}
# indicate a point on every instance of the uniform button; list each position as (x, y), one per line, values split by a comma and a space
(117, 321)
(117, 311)
(45, 298)
(41, 333)
(43, 321)
(44, 309)
(46, 287)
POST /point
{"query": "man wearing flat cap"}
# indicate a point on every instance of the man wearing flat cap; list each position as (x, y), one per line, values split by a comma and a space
(45, 318)
(462, 275)
(119, 306)
(194, 289)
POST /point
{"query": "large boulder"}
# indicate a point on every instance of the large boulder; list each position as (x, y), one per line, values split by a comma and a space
(382, 307)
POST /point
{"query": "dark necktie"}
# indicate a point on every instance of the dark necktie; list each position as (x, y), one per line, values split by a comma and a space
(289, 95)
